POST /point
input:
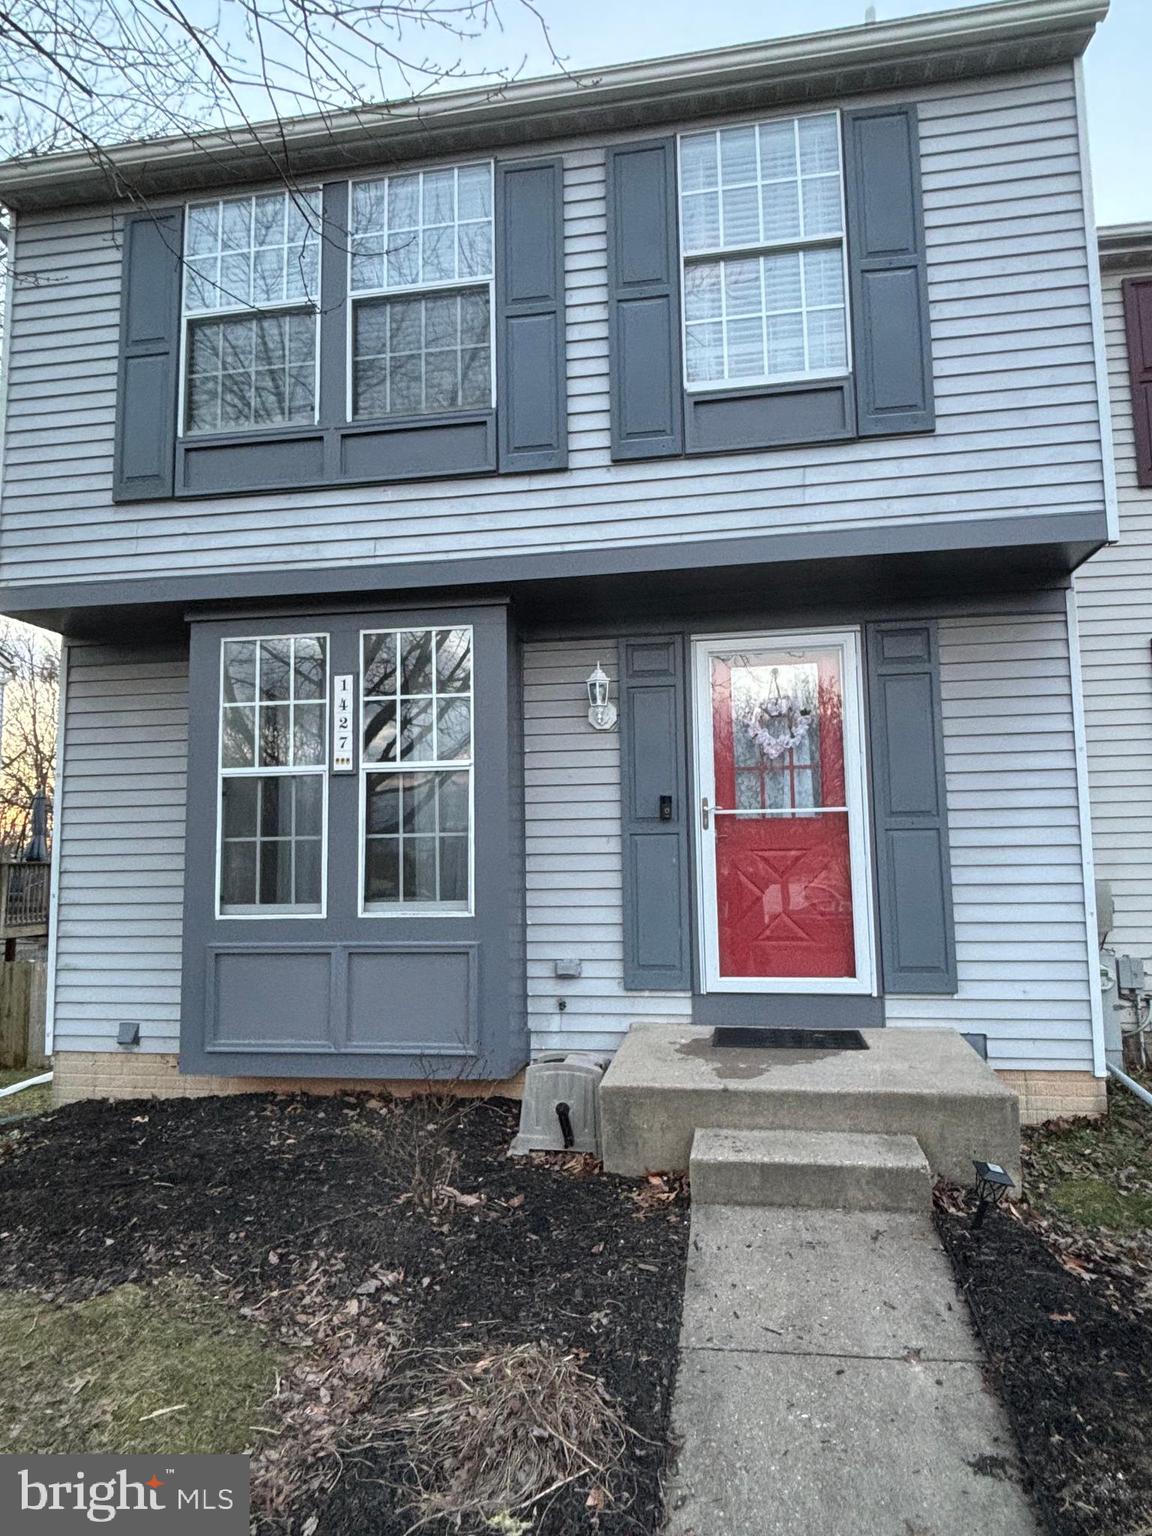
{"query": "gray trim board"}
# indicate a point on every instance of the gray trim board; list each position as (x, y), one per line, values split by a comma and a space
(1018, 550)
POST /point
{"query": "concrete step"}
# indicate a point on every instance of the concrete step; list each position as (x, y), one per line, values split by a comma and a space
(825, 1170)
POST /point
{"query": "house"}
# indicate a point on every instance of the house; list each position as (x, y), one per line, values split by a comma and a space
(1116, 638)
(591, 554)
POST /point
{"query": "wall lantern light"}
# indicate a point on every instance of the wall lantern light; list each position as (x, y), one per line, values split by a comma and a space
(601, 713)
(992, 1184)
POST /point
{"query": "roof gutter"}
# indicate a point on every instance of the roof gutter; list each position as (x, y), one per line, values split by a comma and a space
(1125, 245)
(946, 45)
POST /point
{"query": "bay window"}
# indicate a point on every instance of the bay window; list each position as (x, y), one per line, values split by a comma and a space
(420, 283)
(762, 236)
(273, 776)
(250, 292)
(416, 770)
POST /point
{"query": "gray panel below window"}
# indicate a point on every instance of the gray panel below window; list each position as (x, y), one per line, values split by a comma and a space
(437, 446)
(263, 997)
(769, 418)
(209, 469)
(412, 999)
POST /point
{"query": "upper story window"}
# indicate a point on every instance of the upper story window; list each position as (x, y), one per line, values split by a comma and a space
(420, 283)
(251, 283)
(762, 236)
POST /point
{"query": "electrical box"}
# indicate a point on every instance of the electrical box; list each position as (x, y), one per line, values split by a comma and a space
(1130, 973)
(569, 970)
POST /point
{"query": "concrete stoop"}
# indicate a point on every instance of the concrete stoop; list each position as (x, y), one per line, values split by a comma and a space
(668, 1081)
(825, 1170)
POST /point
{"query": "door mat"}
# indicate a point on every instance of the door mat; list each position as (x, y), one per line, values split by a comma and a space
(747, 1037)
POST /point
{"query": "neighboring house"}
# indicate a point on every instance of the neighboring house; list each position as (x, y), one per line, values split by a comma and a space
(769, 381)
(1115, 603)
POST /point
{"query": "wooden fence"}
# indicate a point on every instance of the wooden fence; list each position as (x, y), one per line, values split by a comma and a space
(23, 996)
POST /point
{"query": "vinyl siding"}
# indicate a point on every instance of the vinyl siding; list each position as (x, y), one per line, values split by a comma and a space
(1114, 597)
(1012, 357)
(1014, 832)
(121, 831)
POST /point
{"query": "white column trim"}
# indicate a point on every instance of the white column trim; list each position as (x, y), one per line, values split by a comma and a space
(1080, 737)
(54, 868)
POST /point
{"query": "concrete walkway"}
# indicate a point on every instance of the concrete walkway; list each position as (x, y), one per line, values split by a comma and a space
(830, 1385)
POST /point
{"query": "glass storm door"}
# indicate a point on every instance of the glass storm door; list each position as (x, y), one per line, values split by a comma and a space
(784, 898)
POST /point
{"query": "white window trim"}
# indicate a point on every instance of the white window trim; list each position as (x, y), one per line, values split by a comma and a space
(248, 311)
(856, 791)
(411, 765)
(416, 291)
(278, 912)
(763, 248)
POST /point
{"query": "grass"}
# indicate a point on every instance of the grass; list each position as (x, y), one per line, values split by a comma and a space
(33, 1101)
(132, 1371)
(1096, 1174)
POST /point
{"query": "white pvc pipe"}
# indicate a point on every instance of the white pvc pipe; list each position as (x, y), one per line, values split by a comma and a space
(1131, 1084)
(29, 1082)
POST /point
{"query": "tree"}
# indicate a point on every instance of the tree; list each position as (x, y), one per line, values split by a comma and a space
(85, 74)
(30, 666)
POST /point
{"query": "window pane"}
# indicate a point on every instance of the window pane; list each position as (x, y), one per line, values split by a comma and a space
(309, 667)
(454, 869)
(737, 155)
(418, 870)
(777, 150)
(701, 219)
(275, 872)
(309, 811)
(240, 814)
(382, 802)
(238, 736)
(382, 869)
(416, 729)
(309, 859)
(379, 663)
(254, 371)
(453, 660)
(380, 732)
(823, 277)
(819, 144)
(454, 802)
(698, 162)
(431, 227)
(418, 797)
(271, 848)
(822, 205)
(275, 736)
(238, 874)
(453, 729)
(275, 807)
(417, 356)
(740, 223)
(308, 734)
(239, 671)
(416, 661)
(276, 669)
(781, 210)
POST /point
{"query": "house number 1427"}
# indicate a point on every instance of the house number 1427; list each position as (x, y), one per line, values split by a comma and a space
(343, 725)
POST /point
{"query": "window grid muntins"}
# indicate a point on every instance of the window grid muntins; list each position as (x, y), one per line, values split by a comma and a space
(251, 281)
(420, 276)
(273, 768)
(762, 230)
(416, 769)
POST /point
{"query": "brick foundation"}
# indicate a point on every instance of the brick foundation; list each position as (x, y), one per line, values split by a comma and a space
(152, 1075)
(1050, 1095)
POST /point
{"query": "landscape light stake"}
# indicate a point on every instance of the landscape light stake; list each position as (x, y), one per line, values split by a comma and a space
(992, 1184)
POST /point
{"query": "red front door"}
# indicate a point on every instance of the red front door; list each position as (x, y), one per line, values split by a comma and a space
(780, 817)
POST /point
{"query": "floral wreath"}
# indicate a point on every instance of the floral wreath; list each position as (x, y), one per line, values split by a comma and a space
(761, 718)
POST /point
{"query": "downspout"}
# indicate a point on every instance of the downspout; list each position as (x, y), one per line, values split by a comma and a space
(1084, 816)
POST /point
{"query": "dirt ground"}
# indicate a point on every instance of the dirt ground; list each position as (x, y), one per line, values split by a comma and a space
(1061, 1289)
(413, 1278)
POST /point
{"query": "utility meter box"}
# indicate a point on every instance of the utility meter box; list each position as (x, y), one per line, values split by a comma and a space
(560, 1110)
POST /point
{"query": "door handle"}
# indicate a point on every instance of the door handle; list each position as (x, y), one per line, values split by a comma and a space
(705, 812)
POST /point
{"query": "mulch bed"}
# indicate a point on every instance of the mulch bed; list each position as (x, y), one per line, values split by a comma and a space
(378, 1239)
(1067, 1323)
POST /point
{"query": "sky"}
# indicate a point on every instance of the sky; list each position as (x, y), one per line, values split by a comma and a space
(585, 33)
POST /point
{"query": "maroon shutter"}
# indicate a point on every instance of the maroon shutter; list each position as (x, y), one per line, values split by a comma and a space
(1138, 326)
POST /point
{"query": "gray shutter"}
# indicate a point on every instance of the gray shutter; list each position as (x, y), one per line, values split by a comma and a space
(909, 809)
(644, 301)
(149, 356)
(657, 947)
(531, 406)
(891, 343)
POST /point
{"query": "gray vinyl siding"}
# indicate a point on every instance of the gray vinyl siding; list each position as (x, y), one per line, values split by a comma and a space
(1014, 832)
(574, 874)
(1114, 597)
(1022, 953)
(121, 833)
(1012, 359)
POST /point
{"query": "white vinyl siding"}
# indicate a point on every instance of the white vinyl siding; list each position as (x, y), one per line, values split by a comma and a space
(121, 833)
(1012, 352)
(1114, 598)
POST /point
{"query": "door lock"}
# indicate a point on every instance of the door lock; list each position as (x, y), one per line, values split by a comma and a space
(705, 811)
(665, 807)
